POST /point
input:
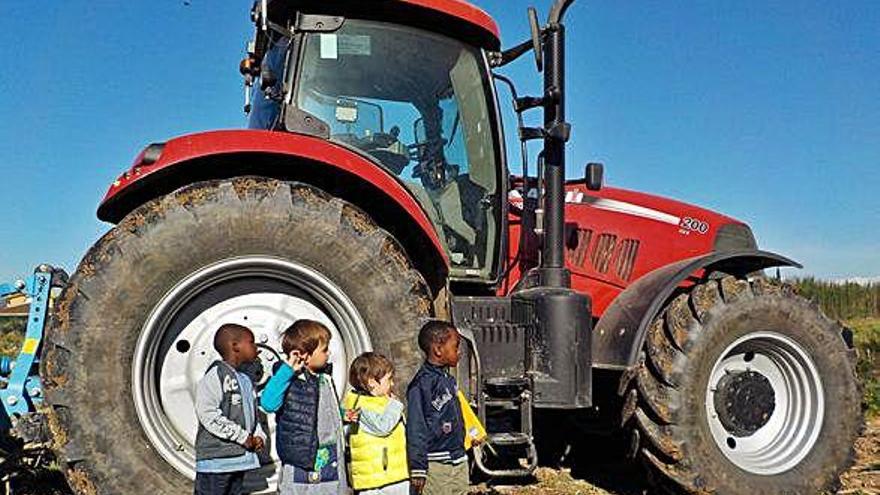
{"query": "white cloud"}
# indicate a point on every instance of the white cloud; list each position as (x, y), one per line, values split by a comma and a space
(858, 280)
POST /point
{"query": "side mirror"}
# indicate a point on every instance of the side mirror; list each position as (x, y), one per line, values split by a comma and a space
(593, 176)
(267, 77)
(537, 44)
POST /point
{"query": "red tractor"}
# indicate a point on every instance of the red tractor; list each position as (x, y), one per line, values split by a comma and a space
(371, 191)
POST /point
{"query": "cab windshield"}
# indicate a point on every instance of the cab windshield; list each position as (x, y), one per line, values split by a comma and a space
(418, 104)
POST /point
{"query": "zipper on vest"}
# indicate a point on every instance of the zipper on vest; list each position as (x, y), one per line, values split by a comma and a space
(385, 458)
(317, 411)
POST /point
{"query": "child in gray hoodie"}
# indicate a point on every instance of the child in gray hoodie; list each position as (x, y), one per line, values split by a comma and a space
(229, 434)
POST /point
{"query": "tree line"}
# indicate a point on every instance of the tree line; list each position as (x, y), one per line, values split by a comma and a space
(843, 301)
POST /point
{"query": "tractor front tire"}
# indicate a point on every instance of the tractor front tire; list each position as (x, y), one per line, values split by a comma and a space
(195, 254)
(744, 387)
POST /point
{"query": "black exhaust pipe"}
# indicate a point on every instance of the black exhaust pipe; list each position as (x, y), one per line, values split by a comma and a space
(558, 319)
(557, 132)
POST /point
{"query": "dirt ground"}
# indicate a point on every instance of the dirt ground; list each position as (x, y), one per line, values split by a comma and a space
(612, 477)
(864, 477)
(627, 479)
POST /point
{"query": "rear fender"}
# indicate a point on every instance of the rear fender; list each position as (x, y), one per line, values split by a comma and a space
(621, 331)
(163, 168)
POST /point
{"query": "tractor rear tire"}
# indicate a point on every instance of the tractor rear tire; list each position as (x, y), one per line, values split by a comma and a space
(90, 359)
(744, 387)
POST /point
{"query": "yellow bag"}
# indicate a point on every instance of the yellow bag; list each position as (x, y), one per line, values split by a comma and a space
(473, 429)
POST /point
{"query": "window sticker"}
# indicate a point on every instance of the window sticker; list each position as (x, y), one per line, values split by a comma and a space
(329, 46)
(355, 44)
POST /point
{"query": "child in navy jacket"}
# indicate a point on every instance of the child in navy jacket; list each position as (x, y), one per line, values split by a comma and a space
(435, 432)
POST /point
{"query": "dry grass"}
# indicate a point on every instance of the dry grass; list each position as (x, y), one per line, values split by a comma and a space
(867, 337)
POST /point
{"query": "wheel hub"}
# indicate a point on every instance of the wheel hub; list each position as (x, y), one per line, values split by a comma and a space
(745, 401)
(765, 403)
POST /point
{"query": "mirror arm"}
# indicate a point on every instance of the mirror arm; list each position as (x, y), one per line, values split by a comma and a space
(558, 11)
(500, 59)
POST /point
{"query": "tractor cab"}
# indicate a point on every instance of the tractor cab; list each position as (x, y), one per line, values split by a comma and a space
(417, 102)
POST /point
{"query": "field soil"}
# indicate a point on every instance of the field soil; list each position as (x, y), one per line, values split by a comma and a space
(615, 477)
(608, 477)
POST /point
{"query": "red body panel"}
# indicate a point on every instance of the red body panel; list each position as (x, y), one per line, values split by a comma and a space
(615, 236)
(185, 148)
(463, 10)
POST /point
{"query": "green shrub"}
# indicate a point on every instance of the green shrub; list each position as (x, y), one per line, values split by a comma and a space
(867, 338)
(11, 334)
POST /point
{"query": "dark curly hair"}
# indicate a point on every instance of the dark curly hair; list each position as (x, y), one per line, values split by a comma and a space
(434, 332)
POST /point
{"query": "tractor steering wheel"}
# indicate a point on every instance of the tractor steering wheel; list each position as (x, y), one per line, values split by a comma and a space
(432, 167)
(385, 147)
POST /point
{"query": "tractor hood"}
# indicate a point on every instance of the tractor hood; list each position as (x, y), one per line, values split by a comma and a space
(633, 233)
(616, 236)
(693, 224)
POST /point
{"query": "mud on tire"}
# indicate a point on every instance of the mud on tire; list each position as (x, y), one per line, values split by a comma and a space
(699, 400)
(87, 362)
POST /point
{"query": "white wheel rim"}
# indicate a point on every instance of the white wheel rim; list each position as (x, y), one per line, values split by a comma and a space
(166, 410)
(791, 430)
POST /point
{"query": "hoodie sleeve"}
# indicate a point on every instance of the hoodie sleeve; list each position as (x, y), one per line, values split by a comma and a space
(416, 433)
(273, 394)
(382, 424)
(209, 395)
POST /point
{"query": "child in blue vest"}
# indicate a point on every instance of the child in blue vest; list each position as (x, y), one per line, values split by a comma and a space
(229, 434)
(309, 434)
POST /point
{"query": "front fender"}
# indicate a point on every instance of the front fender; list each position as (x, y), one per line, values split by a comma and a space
(621, 331)
(163, 168)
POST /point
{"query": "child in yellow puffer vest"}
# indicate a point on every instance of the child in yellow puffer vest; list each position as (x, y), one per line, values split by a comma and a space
(377, 440)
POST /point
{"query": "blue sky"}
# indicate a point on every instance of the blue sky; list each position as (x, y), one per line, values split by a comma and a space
(765, 110)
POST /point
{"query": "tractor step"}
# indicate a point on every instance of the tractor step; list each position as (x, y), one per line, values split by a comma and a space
(509, 420)
(507, 439)
(497, 335)
(493, 458)
(501, 404)
(506, 387)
